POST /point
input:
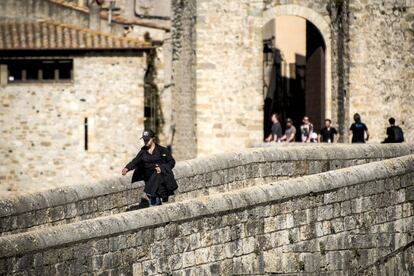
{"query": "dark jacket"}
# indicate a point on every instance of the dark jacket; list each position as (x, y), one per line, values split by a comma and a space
(163, 183)
(395, 134)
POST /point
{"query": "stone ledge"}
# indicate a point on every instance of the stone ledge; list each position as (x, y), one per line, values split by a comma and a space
(205, 206)
(190, 168)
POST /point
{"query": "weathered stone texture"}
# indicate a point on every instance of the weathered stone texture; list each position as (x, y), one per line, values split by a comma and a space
(184, 79)
(382, 63)
(42, 125)
(371, 65)
(198, 177)
(342, 222)
(229, 75)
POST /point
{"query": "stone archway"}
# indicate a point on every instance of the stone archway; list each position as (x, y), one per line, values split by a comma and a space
(323, 26)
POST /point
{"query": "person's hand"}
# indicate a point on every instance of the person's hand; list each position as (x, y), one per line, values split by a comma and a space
(157, 169)
(124, 171)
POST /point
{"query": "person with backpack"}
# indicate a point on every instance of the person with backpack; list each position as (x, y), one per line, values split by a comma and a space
(358, 130)
(394, 133)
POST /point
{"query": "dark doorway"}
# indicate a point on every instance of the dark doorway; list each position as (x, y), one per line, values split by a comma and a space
(301, 95)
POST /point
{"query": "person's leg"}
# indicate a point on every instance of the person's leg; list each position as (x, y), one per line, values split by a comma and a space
(154, 200)
(158, 201)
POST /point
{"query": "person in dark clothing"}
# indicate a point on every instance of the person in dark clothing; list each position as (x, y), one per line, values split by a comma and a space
(394, 133)
(277, 132)
(358, 130)
(153, 164)
(328, 134)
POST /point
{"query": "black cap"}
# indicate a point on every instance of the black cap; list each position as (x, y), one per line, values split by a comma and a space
(148, 134)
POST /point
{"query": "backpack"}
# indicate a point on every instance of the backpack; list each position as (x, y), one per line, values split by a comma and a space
(397, 134)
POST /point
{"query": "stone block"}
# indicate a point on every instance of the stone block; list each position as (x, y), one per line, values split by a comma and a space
(201, 255)
(325, 212)
(248, 245)
(189, 259)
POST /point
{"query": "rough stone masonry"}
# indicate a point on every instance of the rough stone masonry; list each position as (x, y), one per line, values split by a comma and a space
(218, 64)
(357, 220)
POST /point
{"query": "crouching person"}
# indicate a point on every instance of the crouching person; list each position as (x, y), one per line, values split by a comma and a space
(153, 164)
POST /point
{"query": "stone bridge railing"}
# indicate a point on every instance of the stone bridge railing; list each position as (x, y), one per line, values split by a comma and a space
(195, 177)
(347, 221)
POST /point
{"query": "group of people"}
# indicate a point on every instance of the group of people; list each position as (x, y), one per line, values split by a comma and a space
(328, 134)
(154, 163)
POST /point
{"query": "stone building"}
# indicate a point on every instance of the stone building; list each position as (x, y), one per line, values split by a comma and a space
(350, 56)
(77, 88)
(65, 93)
(205, 75)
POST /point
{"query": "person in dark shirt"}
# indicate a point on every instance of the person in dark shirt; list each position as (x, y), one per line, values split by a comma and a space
(358, 130)
(276, 131)
(154, 165)
(394, 133)
(328, 134)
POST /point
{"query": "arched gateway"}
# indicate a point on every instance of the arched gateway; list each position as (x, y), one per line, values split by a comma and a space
(297, 80)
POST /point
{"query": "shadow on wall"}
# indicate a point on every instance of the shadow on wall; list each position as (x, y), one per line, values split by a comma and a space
(294, 87)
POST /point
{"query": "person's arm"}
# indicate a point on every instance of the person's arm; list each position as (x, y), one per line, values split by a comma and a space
(389, 132)
(133, 164)
(168, 158)
(336, 137)
(366, 130)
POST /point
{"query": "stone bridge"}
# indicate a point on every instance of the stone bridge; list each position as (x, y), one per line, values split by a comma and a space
(322, 210)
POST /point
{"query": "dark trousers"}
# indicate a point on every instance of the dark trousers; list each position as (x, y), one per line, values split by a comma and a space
(154, 201)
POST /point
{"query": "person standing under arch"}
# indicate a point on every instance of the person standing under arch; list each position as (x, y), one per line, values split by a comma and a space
(276, 131)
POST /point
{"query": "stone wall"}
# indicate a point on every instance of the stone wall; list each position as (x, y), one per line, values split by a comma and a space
(42, 124)
(382, 63)
(183, 78)
(198, 177)
(340, 222)
(229, 98)
(369, 68)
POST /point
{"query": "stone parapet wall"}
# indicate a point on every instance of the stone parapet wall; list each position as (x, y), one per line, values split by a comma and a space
(340, 221)
(68, 204)
(198, 177)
